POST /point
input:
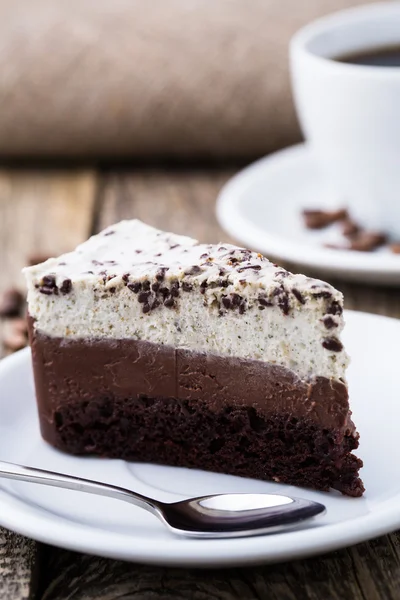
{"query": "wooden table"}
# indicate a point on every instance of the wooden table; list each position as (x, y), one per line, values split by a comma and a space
(50, 211)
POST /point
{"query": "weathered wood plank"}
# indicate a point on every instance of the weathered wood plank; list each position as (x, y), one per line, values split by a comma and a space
(184, 203)
(40, 213)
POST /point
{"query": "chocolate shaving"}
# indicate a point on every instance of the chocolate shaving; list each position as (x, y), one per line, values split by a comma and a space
(365, 241)
(298, 295)
(324, 294)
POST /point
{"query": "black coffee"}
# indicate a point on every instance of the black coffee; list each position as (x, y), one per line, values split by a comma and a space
(388, 56)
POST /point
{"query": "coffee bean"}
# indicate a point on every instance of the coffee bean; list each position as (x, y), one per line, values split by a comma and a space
(318, 219)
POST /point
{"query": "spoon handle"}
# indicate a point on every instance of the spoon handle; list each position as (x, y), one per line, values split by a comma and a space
(79, 484)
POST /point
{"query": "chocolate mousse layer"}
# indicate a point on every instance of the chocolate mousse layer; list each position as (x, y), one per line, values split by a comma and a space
(141, 401)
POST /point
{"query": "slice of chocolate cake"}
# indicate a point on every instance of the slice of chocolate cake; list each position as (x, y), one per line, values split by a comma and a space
(149, 346)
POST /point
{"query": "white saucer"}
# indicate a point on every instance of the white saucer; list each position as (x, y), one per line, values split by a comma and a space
(111, 528)
(261, 208)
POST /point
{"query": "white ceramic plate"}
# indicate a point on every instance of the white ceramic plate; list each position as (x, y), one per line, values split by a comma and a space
(111, 528)
(261, 207)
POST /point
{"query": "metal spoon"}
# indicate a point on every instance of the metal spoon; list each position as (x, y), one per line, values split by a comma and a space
(219, 516)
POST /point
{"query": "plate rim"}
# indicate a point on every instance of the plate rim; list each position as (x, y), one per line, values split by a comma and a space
(37, 523)
(345, 262)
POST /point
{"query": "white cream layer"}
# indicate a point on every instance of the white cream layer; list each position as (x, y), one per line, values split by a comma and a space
(100, 305)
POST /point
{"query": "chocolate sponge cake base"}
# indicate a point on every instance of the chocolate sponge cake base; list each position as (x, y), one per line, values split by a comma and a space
(236, 441)
(140, 401)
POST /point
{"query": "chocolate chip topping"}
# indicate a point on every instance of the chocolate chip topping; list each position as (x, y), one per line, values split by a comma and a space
(160, 275)
(332, 344)
(135, 286)
(254, 267)
(334, 308)
(264, 302)
(143, 297)
(329, 322)
(66, 286)
(324, 294)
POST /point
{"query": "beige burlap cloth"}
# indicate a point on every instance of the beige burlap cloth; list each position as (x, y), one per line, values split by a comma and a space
(176, 78)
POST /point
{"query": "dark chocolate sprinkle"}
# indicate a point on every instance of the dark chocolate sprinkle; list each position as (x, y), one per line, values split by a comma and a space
(49, 281)
(160, 275)
(334, 308)
(226, 302)
(283, 303)
(62, 264)
(332, 344)
(236, 299)
(138, 251)
(264, 302)
(329, 322)
(164, 291)
(97, 263)
(174, 292)
(158, 254)
(261, 308)
(299, 296)
(66, 286)
(143, 297)
(187, 287)
(282, 273)
(174, 246)
(254, 267)
(221, 248)
(109, 232)
(222, 282)
(135, 287)
(324, 294)
(205, 255)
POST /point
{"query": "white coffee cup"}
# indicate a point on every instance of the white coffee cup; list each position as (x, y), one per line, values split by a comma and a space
(350, 114)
